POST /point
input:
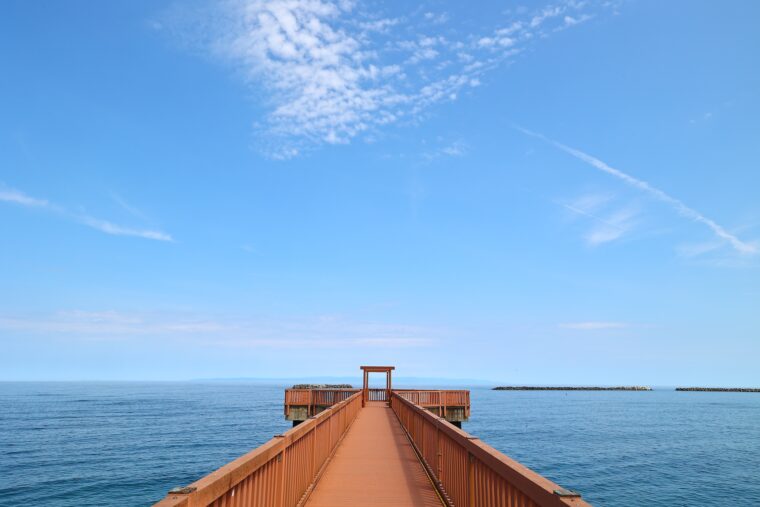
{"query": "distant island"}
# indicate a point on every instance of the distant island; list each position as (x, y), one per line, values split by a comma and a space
(721, 389)
(571, 388)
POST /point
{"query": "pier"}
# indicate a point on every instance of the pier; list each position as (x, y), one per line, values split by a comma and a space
(374, 447)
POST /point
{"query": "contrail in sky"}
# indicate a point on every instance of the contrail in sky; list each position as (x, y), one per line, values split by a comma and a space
(678, 205)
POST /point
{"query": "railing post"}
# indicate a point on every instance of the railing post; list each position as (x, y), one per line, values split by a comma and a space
(471, 479)
(281, 501)
(440, 455)
(388, 396)
(422, 437)
(364, 389)
(314, 451)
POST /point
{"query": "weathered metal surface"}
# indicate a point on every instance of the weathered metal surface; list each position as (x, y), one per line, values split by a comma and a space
(472, 473)
(374, 465)
(279, 473)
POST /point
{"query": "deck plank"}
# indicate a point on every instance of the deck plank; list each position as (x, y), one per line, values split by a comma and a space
(375, 465)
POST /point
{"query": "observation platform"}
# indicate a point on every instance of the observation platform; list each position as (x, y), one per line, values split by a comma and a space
(452, 405)
(361, 451)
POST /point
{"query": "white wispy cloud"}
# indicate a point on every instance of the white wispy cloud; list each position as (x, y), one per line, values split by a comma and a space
(613, 227)
(106, 323)
(698, 249)
(440, 148)
(379, 25)
(394, 342)
(17, 197)
(310, 332)
(437, 18)
(681, 208)
(325, 88)
(118, 230)
(572, 21)
(332, 71)
(593, 325)
(608, 223)
(712, 253)
(129, 208)
(455, 149)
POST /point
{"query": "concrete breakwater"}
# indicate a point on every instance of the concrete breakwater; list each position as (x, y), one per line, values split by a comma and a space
(721, 389)
(571, 388)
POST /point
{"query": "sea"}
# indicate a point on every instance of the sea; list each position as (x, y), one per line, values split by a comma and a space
(73, 444)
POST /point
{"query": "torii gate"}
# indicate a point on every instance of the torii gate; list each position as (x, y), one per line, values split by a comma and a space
(376, 369)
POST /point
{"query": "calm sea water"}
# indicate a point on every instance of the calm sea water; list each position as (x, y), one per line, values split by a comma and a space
(103, 444)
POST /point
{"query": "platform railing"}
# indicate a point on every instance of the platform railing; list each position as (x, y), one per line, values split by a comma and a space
(279, 473)
(470, 473)
(438, 399)
(377, 394)
(315, 398)
(331, 397)
(426, 398)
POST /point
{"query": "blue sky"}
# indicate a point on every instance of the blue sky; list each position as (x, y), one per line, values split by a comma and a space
(561, 192)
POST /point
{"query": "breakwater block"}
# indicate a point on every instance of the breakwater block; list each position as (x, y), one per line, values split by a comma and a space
(571, 388)
(721, 389)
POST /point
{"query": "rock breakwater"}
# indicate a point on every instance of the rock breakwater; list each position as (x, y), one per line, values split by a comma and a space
(721, 389)
(572, 388)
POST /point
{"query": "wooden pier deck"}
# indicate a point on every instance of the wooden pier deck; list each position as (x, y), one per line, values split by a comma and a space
(375, 465)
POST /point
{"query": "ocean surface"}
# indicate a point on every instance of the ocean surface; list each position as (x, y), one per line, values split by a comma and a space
(124, 444)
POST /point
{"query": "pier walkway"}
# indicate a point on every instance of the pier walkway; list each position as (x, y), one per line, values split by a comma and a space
(384, 448)
(375, 465)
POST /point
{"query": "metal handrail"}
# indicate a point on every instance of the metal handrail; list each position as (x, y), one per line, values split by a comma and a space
(440, 399)
(471, 473)
(279, 473)
(313, 398)
(377, 394)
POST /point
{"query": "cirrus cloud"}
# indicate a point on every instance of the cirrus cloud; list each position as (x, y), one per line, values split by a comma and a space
(593, 325)
(285, 332)
(17, 197)
(329, 71)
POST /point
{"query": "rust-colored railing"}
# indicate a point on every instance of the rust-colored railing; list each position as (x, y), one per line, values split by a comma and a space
(377, 395)
(331, 397)
(315, 399)
(281, 472)
(470, 473)
(438, 399)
